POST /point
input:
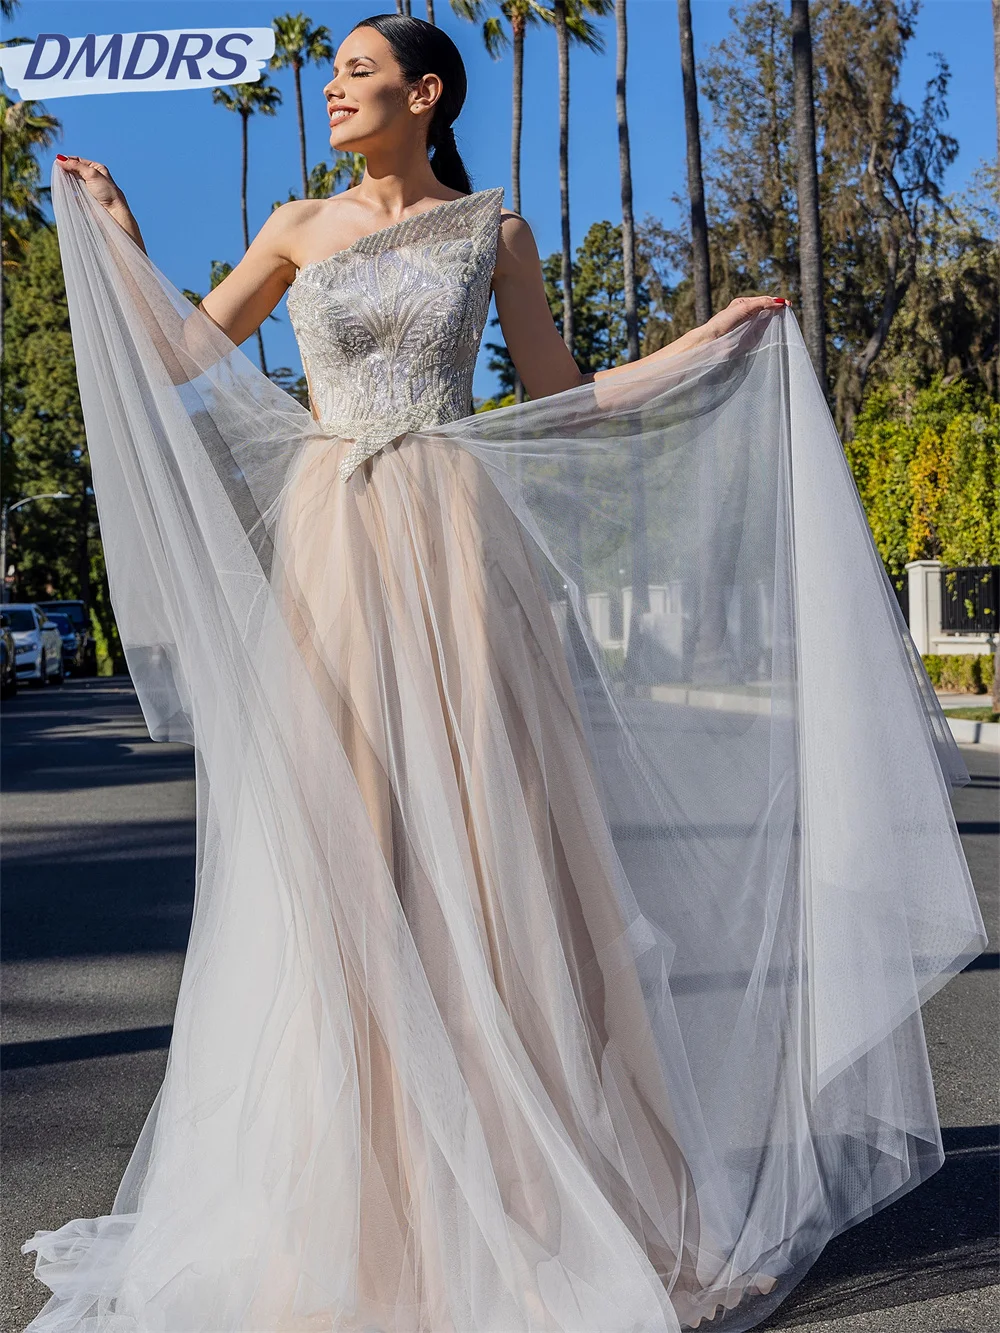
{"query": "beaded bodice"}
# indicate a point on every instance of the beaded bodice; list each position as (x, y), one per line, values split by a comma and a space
(389, 328)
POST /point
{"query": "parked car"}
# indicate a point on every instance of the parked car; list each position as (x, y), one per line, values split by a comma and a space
(80, 616)
(39, 650)
(72, 643)
(8, 659)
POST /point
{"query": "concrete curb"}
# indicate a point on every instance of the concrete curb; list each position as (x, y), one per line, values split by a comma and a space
(966, 732)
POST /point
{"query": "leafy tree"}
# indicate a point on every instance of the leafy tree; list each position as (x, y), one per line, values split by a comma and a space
(948, 323)
(881, 168)
(25, 127)
(54, 544)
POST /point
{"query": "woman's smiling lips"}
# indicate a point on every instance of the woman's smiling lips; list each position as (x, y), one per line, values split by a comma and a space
(341, 114)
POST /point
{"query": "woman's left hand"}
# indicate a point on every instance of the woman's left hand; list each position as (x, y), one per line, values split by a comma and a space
(740, 309)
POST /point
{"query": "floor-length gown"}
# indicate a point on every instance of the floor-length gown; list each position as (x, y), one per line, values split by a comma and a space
(574, 850)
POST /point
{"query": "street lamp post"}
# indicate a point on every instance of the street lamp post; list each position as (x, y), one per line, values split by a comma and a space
(8, 509)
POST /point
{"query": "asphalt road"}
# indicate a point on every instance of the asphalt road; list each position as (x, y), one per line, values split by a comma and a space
(98, 881)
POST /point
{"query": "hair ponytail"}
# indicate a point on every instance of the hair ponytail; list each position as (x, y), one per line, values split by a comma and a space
(446, 162)
(421, 48)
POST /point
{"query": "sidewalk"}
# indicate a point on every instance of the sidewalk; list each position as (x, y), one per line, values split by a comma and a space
(965, 731)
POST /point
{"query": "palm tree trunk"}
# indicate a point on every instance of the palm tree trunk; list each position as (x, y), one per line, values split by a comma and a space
(637, 488)
(430, 11)
(562, 47)
(701, 272)
(996, 91)
(297, 72)
(574, 464)
(245, 118)
(517, 24)
(2, 178)
(625, 175)
(807, 183)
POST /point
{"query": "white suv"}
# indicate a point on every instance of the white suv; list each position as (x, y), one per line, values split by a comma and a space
(38, 643)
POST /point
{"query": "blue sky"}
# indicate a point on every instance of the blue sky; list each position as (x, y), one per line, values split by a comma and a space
(177, 155)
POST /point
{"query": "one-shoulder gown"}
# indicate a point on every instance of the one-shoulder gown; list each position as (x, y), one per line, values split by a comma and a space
(574, 850)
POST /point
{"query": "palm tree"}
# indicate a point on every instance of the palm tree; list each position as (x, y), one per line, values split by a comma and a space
(640, 554)
(519, 14)
(24, 129)
(996, 66)
(700, 269)
(430, 11)
(248, 99)
(570, 22)
(625, 175)
(296, 44)
(807, 185)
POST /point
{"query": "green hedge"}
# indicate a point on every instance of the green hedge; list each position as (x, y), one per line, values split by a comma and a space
(965, 672)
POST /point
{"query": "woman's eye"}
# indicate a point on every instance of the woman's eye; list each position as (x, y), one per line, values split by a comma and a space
(361, 74)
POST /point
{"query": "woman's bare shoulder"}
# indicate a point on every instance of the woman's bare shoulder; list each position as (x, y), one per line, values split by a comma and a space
(516, 247)
(314, 228)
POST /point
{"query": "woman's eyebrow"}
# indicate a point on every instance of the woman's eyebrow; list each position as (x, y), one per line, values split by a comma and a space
(354, 60)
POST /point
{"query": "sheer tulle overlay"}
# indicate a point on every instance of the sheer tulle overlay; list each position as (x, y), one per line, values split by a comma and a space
(574, 849)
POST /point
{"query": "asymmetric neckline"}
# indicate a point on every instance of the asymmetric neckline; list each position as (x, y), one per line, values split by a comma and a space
(374, 238)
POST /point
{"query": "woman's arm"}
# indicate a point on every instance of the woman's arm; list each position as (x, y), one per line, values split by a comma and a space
(542, 359)
(237, 306)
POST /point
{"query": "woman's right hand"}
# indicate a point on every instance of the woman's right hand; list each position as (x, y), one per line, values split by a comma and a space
(96, 177)
(102, 186)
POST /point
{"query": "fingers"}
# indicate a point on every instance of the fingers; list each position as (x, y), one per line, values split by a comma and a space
(751, 303)
(83, 166)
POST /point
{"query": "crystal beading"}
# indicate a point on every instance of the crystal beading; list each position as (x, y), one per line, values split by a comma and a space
(389, 328)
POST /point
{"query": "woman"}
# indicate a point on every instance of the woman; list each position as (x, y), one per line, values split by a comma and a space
(546, 972)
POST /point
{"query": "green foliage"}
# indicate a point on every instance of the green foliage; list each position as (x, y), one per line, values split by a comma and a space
(927, 466)
(598, 272)
(54, 544)
(963, 673)
(911, 277)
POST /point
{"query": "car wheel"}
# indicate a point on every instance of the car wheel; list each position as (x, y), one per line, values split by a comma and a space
(60, 674)
(42, 678)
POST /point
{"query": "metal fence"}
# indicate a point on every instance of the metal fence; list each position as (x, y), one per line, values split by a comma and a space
(970, 599)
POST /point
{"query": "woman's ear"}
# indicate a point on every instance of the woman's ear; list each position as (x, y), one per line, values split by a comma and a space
(424, 96)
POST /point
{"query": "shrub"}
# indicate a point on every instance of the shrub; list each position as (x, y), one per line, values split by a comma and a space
(927, 466)
(961, 672)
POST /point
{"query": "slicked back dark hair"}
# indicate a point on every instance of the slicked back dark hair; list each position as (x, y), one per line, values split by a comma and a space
(421, 48)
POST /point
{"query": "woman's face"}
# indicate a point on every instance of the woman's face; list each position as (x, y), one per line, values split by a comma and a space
(367, 100)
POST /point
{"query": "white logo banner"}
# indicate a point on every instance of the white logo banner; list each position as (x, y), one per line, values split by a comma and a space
(135, 62)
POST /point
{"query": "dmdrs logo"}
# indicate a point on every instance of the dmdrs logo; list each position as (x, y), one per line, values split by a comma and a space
(57, 66)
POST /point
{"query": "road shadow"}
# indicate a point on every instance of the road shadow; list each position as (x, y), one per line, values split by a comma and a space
(939, 1239)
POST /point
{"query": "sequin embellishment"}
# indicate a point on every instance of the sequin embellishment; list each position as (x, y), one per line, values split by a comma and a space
(389, 328)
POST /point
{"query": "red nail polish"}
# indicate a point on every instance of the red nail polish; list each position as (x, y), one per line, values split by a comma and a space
(62, 157)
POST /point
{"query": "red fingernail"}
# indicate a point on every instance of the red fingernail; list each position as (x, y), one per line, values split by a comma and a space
(62, 157)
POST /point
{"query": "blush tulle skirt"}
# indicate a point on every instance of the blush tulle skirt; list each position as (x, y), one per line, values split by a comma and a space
(574, 849)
